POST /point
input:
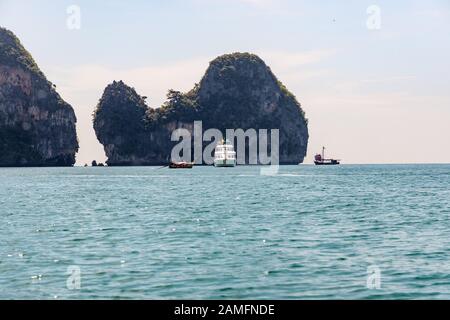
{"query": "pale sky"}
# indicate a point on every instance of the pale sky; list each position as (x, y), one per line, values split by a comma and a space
(371, 95)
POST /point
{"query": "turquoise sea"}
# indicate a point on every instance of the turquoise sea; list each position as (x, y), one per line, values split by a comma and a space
(208, 233)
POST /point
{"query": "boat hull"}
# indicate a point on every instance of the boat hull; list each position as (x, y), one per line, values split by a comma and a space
(327, 163)
(224, 164)
(184, 165)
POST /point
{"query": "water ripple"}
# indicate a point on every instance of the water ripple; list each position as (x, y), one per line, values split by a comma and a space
(308, 233)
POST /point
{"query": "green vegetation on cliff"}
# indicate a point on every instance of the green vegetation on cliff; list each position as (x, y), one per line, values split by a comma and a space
(12, 53)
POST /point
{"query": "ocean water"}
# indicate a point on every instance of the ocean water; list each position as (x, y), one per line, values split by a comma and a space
(231, 233)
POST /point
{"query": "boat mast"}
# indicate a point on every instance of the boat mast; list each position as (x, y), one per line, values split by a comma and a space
(323, 153)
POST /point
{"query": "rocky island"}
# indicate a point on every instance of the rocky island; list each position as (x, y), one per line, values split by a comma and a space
(237, 91)
(37, 128)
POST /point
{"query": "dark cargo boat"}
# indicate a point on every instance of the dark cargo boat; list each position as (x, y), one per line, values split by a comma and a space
(181, 165)
(320, 160)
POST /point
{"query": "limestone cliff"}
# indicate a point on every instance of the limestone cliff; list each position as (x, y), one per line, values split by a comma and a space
(37, 128)
(237, 91)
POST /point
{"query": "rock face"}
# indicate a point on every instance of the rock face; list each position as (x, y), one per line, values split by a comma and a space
(238, 91)
(37, 128)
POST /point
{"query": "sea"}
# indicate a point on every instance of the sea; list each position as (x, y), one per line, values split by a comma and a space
(304, 232)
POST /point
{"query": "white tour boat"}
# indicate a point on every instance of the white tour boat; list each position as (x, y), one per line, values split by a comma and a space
(224, 155)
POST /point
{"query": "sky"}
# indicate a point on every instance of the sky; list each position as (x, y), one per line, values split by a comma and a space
(372, 76)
